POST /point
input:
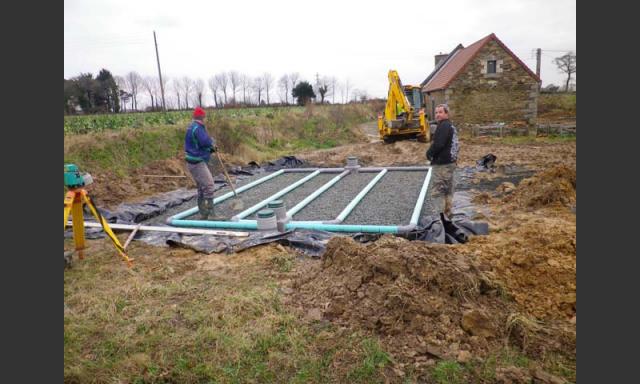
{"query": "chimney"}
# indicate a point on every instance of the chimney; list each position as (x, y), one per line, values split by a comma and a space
(439, 57)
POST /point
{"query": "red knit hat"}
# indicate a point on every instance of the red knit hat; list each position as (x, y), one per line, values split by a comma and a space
(198, 112)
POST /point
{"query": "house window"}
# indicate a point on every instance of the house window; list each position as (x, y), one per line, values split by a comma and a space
(491, 66)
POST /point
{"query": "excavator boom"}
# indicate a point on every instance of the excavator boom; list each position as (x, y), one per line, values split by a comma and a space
(400, 120)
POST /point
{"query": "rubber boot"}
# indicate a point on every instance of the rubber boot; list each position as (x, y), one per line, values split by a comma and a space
(203, 209)
(209, 203)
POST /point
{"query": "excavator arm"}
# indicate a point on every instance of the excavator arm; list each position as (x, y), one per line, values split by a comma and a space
(396, 97)
(392, 125)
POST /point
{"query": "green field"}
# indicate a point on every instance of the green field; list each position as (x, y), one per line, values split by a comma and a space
(80, 124)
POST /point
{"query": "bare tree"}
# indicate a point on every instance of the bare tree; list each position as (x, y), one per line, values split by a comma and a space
(267, 80)
(245, 84)
(134, 81)
(186, 85)
(343, 88)
(258, 87)
(215, 88)
(199, 89)
(147, 84)
(157, 91)
(347, 87)
(355, 94)
(566, 64)
(121, 82)
(363, 96)
(234, 79)
(283, 85)
(177, 88)
(223, 83)
(321, 87)
(293, 79)
(333, 81)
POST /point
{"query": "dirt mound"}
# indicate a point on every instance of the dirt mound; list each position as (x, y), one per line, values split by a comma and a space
(110, 189)
(536, 262)
(425, 300)
(555, 186)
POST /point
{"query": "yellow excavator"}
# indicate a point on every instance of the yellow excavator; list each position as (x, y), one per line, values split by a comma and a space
(400, 120)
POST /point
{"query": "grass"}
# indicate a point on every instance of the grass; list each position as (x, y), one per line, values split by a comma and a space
(448, 372)
(485, 370)
(166, 321)
(124, 150)
(561, 104)
(551, 139)
(520, 140)
(246, 137)
(374, 359)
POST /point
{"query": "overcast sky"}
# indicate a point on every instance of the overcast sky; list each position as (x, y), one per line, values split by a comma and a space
(355, 40)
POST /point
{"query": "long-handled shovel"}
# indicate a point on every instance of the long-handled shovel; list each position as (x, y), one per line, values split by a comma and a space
(236, 203)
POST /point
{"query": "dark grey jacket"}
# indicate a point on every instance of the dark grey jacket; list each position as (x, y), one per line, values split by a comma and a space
(444, 144)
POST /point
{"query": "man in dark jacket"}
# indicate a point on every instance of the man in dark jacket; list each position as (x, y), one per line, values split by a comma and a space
(198, 146)
(443, 155)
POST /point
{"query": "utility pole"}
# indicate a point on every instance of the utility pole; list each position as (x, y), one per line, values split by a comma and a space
(164, 108)
(538, 56)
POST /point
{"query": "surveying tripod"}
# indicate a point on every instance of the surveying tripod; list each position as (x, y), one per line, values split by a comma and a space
(74, 201)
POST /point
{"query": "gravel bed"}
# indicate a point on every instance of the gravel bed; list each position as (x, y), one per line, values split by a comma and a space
(161, 219)
(253, 195)
(297, 195)
(328, 205)
(391, 201)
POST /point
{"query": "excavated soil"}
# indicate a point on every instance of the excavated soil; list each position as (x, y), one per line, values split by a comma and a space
(110, 189)
(550, 187)
(535, 155)
(425, 301)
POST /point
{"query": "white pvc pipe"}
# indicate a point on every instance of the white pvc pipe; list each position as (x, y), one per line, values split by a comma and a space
(315, 194)
(90, 224)
(347, 210)
(423, 193)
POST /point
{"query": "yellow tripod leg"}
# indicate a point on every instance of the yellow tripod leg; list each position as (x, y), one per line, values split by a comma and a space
(68, 202)
(107, 229)
(78, 225)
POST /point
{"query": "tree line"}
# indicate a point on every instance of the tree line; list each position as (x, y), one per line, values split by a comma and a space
(133, 92)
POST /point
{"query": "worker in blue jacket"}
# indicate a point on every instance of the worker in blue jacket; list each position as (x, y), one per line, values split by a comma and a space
(198, 146)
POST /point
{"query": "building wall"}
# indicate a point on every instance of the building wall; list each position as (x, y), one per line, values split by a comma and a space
(475, 96)
(431, 100)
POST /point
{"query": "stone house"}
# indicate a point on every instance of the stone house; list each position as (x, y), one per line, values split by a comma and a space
(482, 83)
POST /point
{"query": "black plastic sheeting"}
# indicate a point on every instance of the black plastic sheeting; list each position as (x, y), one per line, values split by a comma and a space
(487, 163)
(441, 229)
(437, 229)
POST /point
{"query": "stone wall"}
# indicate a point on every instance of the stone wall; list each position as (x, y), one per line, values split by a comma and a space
(432, 99)
(476, 97)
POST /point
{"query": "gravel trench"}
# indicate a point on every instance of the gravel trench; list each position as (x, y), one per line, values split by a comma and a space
(253, 195)
(329, 204)
(391, 201)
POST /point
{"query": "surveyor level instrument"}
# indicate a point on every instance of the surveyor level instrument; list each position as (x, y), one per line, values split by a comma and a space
(75, 200)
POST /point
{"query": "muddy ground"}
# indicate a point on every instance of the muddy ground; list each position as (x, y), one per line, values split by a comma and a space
(427, 303)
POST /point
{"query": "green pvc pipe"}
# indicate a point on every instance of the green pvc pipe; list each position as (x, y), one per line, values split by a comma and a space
(343, 227)
(253, 224)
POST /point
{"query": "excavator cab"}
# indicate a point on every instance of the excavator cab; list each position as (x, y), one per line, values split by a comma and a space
(400, 120)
